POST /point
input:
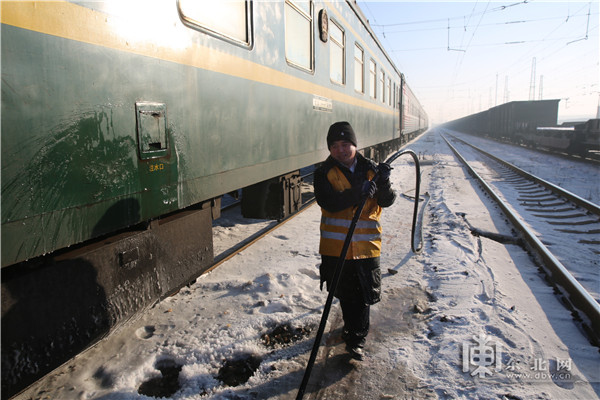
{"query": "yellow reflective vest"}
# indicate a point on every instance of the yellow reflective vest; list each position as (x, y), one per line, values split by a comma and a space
(366, 241)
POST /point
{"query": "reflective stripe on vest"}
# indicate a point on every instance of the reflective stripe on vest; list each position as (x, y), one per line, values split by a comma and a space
(355, 237)
(345, 223)
(366, 240)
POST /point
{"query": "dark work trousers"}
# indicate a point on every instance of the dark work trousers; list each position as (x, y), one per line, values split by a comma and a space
(358, 288)
(356, 321)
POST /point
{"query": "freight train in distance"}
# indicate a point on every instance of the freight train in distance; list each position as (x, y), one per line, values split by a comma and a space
(123, 124)
(533, 124)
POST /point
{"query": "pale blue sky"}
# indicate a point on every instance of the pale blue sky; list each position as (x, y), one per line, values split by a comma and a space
(464, 69)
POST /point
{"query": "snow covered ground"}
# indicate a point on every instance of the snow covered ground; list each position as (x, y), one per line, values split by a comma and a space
(585, 267)
(579, 177)
(468, 318)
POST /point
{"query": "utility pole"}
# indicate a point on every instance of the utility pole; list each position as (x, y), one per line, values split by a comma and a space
(532, 81)
(496, 96)
(541, 87)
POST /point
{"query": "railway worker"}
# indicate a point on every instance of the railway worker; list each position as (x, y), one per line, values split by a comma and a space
(341, 183)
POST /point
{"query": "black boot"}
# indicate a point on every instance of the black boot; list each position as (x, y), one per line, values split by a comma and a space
(354, 344)
(355, 351)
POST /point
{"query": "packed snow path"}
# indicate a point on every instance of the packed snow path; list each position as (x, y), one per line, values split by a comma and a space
(468, 318)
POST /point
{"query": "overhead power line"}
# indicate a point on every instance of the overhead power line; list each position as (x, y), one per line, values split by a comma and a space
(501, 8)
(587, 28)
(512, 43)
(443, 27)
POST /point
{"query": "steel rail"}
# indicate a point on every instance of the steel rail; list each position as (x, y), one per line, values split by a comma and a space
(588, 205)
(576, 294)
(249, 241)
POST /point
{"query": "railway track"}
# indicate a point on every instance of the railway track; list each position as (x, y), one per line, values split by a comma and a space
(253, 232)
(561, 228)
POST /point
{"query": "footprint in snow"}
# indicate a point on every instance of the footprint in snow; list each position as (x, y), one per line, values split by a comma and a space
(309, 272)
(145, 332)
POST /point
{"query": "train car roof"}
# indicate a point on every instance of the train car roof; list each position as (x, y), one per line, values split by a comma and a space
(365, 21)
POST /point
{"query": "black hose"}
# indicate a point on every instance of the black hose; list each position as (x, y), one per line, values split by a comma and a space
(340, 266)
(417, 199)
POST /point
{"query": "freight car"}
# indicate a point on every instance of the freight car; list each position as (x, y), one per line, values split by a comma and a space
(124, 122)
(582, 139)
(586, 138)
(532, 124)
(505, 121)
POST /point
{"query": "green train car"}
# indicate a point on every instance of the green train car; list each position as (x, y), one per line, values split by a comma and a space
(124, 122)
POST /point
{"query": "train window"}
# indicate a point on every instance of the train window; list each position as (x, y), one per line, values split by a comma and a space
(372, 78)
(359, 69)
(230, 20)
(298, 34)
(389, 87)
(336, 54)
(151, 124)
(381, 86)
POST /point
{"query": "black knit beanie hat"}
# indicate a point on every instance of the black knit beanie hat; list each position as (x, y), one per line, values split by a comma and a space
(341, 131)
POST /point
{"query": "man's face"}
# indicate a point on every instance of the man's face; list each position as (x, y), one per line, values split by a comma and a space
(343, 151)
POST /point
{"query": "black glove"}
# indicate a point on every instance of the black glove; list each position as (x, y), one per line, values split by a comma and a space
(368, 189)
(384, 172)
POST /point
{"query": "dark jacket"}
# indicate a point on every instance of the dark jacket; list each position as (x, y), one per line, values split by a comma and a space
(334, 201)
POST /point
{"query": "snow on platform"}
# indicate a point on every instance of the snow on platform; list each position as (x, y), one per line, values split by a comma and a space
(468, 318)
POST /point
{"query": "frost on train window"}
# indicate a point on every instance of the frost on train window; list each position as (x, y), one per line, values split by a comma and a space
(381, 86)
(230, 20)
(359, 69)
(299, 34)
(336, 54)
(372, 78)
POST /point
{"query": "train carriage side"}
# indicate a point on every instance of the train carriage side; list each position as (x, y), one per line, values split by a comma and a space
(414, 119)
(163, 107)
(123, 123)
